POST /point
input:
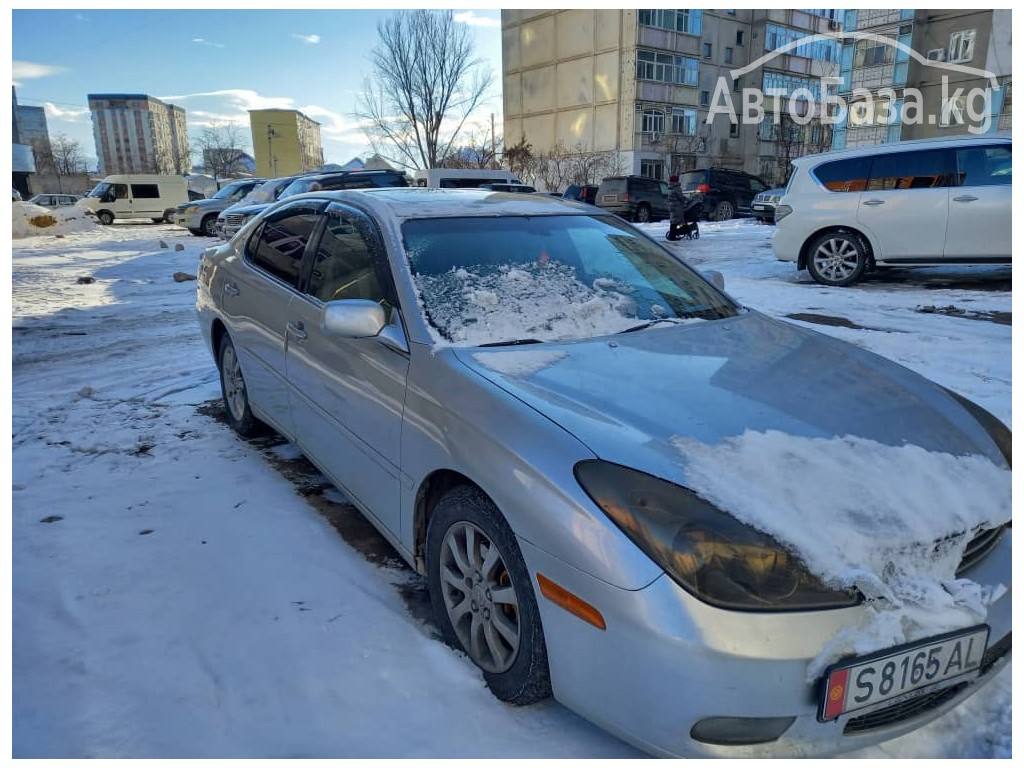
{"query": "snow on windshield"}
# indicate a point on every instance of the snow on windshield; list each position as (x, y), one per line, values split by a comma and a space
(547, 302)
(891, 521)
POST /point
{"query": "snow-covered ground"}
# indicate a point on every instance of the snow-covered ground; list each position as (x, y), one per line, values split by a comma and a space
(177, 593)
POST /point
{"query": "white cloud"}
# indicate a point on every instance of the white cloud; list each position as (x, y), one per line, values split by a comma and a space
(240, 99)
(29, 70)
(53, 112)
(471, 19)
(201, 41)
(308, 39)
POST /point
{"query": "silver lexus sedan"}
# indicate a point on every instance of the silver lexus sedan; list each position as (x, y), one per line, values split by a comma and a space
(710, 532)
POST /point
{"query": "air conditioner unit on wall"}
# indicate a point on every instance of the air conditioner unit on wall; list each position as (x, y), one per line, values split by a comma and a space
(937, 54)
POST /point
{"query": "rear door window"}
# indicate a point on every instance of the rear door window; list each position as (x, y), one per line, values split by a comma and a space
(849, 175)
(911, 170)
(689, 182)
(278, 246)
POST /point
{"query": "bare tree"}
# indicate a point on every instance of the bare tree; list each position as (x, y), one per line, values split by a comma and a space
(426, 82)
(218, 147)
(66, 156)
(520, 160)
(479, 149)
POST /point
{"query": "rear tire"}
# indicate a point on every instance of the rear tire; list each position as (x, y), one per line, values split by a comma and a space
(236, 397)
(643, 213)
(483, 598)
(837, 259)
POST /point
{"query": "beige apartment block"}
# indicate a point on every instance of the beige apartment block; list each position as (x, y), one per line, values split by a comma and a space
(136, 133)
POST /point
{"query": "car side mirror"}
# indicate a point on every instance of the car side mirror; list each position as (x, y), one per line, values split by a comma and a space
(353, 318)
(715, 277)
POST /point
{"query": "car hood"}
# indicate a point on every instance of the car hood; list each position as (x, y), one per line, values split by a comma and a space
(249, 210)
(630, 397)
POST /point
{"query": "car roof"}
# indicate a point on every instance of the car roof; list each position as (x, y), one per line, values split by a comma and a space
(935, 142)
(430, 202)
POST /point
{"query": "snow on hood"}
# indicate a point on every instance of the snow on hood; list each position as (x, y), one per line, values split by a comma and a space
(519, 362)
(29, 220)
(898, 520)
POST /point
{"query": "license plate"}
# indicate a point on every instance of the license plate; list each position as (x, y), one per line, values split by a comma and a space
(903, 672)
(760, 207)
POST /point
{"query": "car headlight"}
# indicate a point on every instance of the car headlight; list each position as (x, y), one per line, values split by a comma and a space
(190, 210)
(782, 212)
(708, 552)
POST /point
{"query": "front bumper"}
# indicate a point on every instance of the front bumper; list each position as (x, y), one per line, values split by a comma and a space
(667, 662)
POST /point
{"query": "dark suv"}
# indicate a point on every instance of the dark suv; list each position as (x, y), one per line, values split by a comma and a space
(635, 198)
(727, 192)
(238, 216)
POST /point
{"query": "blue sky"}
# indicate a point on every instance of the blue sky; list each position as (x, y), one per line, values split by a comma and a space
(215, 64)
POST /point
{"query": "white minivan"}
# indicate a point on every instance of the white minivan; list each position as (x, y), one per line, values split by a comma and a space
(927, 202)
(137, 196)
(462, 178)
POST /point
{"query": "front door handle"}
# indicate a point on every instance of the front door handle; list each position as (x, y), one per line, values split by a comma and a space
(965, 198)
(231, 289)
(874, 202)
(298, 330)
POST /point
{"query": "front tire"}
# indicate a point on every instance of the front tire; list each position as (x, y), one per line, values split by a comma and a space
(105, 217)
(482, 596)
(837, 259)
(236, 397)
(724, 211)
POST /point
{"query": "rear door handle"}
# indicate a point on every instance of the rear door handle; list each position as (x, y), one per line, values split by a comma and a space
(298, 330)
(231, 289)
(874, 202)
(965, 198)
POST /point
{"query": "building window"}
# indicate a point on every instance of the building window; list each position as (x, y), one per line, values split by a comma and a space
(782, 84)
(961, 46)
(734, 130)
(739, 37)
(684, 121)
(728, 55)
(652, 169)
(689, 22)
(821, 50)
(736, 85)
(953, 113)
(652, 121)
(705, 98)
(707, 50)
(870, 53)
(666, 68)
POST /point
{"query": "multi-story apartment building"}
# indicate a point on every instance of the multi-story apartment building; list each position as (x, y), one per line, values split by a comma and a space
(32, 130)
(285, 142)
(899, 58)
(136, 133)
(642, 84)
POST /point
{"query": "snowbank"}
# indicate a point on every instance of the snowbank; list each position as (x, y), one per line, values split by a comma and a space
(30, 220)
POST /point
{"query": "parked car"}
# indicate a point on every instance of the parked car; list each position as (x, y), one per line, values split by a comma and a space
(54, 200)
(634, 198)
(240, 215)
(763, 204)
(727, 192)
(267, 192)
(508, 187)
(584, 193)
(912, 203)
(709, 531)
(200, 216)
(15, 195)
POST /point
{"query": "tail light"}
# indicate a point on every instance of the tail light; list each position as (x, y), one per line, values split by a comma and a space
(703, 189)
(624, 197)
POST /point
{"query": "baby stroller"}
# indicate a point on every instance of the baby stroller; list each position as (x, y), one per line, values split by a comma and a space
(687, 229)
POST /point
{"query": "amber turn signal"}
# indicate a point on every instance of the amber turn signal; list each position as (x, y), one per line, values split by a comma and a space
(563, 598)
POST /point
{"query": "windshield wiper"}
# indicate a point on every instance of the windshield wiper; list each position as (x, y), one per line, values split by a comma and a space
(511, 343)
(649, 323)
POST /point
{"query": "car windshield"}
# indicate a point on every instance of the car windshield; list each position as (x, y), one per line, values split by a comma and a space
(548, 278)
(99, 190)
(228, 192)
(297, 187)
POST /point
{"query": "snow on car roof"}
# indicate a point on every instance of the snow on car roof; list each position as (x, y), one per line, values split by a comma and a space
(429, 203)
